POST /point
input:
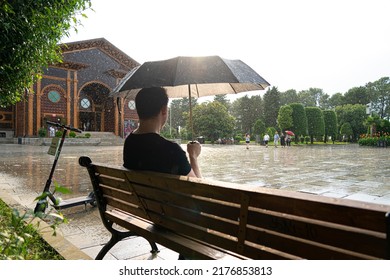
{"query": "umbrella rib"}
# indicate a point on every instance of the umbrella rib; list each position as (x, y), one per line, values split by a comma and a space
(233, 88)
(197, 90)
(176, 72)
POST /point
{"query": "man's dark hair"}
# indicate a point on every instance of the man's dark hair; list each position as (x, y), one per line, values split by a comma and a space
(149, 102)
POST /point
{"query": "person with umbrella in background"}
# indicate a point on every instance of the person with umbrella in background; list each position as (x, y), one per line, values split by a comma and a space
(145, 149)
(288, 137)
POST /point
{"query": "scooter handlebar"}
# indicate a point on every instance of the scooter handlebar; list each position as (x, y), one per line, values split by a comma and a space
(64, 126)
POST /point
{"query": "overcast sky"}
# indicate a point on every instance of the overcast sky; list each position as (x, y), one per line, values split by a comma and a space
(294, 44)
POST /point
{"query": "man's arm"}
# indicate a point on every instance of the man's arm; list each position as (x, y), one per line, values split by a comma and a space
(194, 149)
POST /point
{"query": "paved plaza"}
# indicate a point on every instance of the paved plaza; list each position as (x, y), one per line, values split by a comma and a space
(341, 171)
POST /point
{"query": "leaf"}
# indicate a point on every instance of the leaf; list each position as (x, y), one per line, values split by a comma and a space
(57, 216)
(61, 189)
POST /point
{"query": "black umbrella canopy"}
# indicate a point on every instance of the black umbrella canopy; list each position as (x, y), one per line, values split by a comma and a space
(191, 76)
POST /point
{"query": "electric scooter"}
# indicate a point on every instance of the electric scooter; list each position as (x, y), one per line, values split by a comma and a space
(42, 203)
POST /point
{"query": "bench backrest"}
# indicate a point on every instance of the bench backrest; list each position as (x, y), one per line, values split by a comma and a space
(255, 222)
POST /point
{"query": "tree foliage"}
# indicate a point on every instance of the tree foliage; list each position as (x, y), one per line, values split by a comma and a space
(346, 131)
(179, 110)
(357, 95)
(222, 98)
(285, 120)
(380, 96)
(355, 115)
(299, 126)
(259, 127)
(212, 121)
(315, 122)
(288, 97)
(246, 111)
(30, 36)
(330, 121)
(271, 106)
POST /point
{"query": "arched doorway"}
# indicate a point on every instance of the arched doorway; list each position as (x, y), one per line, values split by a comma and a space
(92, 102)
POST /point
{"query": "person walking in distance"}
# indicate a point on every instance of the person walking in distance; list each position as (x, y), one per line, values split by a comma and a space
(247, 140)
(276, 139)
(266, 139)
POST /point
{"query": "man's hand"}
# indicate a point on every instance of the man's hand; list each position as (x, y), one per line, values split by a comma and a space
(193, 149)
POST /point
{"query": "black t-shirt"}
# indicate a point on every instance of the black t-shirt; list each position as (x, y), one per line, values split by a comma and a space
(152, 152)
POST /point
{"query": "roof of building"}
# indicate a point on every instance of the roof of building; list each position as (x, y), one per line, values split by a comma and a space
(103, 45)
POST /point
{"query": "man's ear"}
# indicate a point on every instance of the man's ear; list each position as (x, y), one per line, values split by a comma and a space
(164, 110)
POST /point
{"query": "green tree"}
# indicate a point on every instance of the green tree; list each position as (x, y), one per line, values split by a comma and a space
(246, 111)
(380, 97)
(222, 98)
(330, 121)
(271, 106)
(213, 121)
(315, 122)
(179, 110)
(355, 115)
(288, 97)
(299, 118)
(335, 100)
(324, 102)
(30, 36)
(259, 128)
(346, 131)
(357, 95)
(285, 120)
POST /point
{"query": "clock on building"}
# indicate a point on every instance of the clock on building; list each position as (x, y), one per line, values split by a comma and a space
(131, 105)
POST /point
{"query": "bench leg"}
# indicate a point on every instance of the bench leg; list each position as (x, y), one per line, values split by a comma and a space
(114, 239)
(155, 249)
(117, 236)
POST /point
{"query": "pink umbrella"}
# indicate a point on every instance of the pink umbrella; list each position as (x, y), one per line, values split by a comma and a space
(290, 132)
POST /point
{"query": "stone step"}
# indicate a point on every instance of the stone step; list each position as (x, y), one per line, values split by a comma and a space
(106, 138)
(5, 140)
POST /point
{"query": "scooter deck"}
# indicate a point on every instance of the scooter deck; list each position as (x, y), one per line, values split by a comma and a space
(84, 200)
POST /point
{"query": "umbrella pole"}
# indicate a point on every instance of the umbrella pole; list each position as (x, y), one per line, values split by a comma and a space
(189, 97)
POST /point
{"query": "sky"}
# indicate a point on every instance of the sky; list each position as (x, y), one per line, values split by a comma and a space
(333, 45)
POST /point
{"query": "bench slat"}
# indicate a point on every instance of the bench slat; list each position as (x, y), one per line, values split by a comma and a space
(125, 196)
(113, 182)
(115, 172)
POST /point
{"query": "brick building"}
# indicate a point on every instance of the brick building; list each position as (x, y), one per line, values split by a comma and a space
(75, 92)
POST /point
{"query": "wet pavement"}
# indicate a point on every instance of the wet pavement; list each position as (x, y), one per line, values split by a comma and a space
(342, 171)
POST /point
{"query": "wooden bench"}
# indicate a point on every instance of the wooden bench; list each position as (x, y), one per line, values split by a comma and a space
(204, 219)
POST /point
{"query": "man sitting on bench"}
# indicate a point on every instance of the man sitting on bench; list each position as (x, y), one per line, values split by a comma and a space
(145, 149)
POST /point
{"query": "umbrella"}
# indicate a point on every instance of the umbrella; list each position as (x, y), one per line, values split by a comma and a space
(290, 132)
(191, 77)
